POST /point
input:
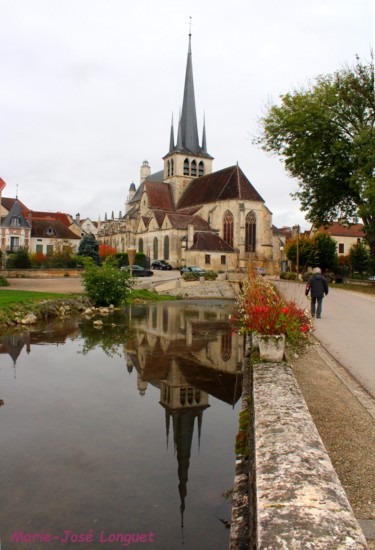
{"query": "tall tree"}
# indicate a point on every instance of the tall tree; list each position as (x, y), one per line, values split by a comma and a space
(326, 138)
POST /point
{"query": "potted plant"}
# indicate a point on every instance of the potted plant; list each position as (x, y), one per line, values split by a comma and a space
(263, 312)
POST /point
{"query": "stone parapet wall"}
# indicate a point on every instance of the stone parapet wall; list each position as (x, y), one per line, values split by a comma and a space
(300, 502)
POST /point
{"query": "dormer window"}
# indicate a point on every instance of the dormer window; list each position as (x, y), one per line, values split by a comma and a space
(15, 221)
(50, 231)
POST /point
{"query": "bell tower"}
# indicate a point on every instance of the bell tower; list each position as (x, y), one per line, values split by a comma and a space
(187, 159)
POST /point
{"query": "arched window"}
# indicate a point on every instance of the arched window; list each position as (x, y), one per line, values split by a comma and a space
(156, 248)
(166, 247)
(226, 345)
(201, 168)
(140, 246)
(228, 228)
(172, 167)
(186, 167)
(193, 168)
(168, 169)
(250, 232)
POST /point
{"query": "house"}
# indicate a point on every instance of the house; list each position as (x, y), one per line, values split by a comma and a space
(187, 213)
(37, 232)
(344, 234)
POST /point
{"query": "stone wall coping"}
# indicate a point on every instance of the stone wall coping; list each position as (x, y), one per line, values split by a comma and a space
(300, 501)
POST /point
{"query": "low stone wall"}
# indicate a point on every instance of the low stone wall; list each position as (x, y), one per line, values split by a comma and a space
(299, 500)
(40, 273)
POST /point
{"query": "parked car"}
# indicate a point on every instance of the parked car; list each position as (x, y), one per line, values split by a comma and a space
(160, 264)
(138, 271)
(260, 271)
(192, 269)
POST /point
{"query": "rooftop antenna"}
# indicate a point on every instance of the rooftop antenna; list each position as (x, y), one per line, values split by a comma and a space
(17, 191)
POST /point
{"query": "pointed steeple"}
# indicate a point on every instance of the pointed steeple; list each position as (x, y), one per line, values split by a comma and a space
(171, 140)
(204, 141)
(189, 126)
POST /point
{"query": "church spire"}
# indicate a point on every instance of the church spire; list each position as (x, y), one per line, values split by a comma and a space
(189, 127)
(171, 139)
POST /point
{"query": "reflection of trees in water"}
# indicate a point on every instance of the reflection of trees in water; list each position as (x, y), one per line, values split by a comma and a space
(111, 337)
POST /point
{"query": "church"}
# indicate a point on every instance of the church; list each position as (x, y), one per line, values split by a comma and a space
(190, 215)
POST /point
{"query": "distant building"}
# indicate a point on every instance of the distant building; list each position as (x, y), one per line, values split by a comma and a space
(37, 232)
(345, 235)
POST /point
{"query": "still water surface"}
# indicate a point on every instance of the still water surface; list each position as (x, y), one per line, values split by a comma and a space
(128, 429)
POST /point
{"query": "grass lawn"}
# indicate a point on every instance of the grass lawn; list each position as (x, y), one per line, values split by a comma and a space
(12, 298)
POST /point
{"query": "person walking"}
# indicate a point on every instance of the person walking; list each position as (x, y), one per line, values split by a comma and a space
(318, 287)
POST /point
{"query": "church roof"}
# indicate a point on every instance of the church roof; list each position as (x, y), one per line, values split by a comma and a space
(158, 195)
(181, 221)
(227, 184)
(211, 242)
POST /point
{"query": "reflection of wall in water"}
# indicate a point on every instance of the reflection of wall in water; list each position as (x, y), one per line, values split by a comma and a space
(198, 331)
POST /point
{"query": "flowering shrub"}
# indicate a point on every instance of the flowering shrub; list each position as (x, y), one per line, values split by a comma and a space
(262, 310)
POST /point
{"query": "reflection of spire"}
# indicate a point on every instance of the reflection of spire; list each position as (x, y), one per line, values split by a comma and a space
(167, 423)
(183, 429)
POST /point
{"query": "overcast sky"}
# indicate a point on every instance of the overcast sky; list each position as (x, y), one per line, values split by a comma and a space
(88, 88)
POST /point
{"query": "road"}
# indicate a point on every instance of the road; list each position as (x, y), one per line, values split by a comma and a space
(346, 329)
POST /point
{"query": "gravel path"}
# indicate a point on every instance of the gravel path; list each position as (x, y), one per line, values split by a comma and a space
(347, 431)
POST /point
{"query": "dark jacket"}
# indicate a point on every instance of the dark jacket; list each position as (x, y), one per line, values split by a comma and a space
(317, 285)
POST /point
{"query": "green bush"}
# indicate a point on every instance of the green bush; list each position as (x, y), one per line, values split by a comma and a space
(288, 275)
(3, 281)
(19, 260)
(210, 275)
(106, 285)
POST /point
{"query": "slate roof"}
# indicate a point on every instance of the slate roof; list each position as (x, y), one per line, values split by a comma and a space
(7, 203)
(40, 227)
(227, 184)
(15, 212)
(211, 242)
(338, 230)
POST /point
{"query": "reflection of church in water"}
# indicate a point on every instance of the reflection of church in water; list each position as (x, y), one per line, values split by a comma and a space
(190, 353)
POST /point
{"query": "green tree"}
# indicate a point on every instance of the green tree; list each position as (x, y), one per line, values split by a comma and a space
(359, 258)
(306, 252)
(326, 138)
(89, 246)
(326, 252)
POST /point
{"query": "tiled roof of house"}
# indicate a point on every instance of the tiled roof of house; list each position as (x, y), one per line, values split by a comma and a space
(227, 184)
(61, 216)
(211, 242)
(51, 228)
(336, 229)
